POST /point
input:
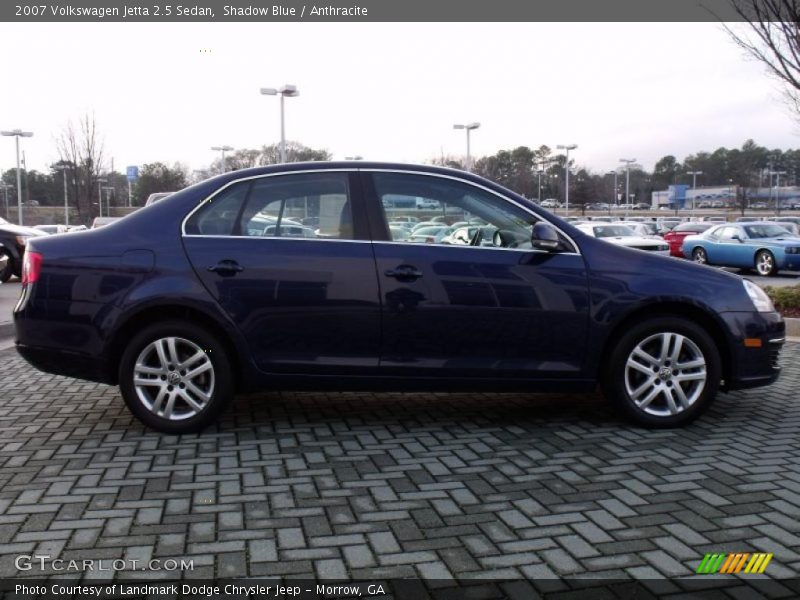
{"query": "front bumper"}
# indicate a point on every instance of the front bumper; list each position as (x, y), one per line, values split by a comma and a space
(757, 342)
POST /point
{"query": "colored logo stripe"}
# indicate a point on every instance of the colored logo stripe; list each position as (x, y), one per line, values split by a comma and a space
(734, 562)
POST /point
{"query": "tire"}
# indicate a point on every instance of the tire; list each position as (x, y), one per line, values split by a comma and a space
(630, 388)
(699, 255)
(765, 263)
(166, 397)
(6, 266)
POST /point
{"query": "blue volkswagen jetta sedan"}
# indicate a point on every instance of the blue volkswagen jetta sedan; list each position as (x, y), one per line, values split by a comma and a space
(288, 277)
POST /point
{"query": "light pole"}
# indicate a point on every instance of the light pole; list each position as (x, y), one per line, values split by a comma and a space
(63, 168)
(615, 198)
(694, 175)
(540, 172)
(100, 194)
(222, 149)
(468, 127)
(566, 147)
(5, 187)
(18, 133)
(777, 188)
(287, 90)
(108, 189)
(628, 162)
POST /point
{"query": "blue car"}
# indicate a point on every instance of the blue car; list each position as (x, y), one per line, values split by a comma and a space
(187, 302)
(763, 246)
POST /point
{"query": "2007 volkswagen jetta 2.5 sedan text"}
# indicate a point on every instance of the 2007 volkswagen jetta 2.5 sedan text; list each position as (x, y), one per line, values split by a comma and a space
(289, 277)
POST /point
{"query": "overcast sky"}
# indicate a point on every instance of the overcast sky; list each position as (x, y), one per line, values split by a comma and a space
(388, 91)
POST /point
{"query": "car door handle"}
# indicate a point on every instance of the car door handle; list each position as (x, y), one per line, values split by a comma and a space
(404, 273)
(226, 267)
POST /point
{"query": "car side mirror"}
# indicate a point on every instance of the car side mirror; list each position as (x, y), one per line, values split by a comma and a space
(545, 237)
(738, 238)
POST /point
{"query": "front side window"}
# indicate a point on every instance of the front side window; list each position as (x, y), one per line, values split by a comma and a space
(307, 205)
(436, 210)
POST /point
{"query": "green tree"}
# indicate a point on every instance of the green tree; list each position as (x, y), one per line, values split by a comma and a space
(158, 177)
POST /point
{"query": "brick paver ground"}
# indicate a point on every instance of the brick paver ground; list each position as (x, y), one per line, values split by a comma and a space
(409, 485)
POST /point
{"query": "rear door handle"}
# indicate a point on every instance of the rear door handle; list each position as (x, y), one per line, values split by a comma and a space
(226, 267)
(404, 273)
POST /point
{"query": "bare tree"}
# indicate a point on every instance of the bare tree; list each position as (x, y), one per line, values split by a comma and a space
(771, 35)
(83, 148)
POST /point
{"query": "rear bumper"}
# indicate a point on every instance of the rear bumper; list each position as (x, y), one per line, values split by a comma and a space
(68, 364)
(754, 365)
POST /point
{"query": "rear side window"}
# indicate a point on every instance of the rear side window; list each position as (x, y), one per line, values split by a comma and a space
(218, 215)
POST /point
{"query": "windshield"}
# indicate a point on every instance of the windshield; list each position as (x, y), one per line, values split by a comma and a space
(765, 231)
(613, 231)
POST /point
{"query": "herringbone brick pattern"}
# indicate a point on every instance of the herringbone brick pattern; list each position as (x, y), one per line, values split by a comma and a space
(413, 485)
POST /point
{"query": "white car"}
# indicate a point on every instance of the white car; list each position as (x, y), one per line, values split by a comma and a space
(622, 235)
(648, 229)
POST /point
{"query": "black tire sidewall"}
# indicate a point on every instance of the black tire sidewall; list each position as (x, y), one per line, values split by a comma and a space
(614, 378)
(223, 377)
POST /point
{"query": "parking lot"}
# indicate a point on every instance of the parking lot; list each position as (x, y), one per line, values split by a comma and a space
(437, 486)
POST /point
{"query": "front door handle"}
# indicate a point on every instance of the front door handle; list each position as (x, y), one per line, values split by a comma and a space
(404, 273)
(226, 267)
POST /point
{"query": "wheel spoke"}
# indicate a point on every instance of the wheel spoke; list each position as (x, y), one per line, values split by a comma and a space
(673, 409)
(649, 398)
(676, 349)
(683, 401)
(173, 351)
(639, 367)
(147, 382)
(198, 370)
(639, 353)
(192, 359)
(642, 388)
(162, 353)
(197, 392)
(692, 364)
(190, 401)
(700, 376)
(162, 393)
(145, 370)
(666, 342)
(170, 405)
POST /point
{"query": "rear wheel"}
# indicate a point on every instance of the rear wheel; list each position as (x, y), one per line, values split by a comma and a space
(699, 256)
(175, 377)
(664, 372)
(765, 263)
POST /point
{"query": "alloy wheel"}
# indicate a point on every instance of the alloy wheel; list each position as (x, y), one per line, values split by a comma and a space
(665, 374)
(700, 256)
(174, 378)
(765, 264)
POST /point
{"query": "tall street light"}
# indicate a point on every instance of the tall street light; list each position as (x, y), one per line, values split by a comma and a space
(468, 127)
(540, 172)
(287, 90)
(63, 168)
(109, 189)
(100, 180)
(222, 149)
(628, 162)
(615, 198)
(777, 175)
(694, 175)
(566, 147)
(5, 187)
(18, 133)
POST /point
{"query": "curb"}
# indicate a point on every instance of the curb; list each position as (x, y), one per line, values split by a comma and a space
(792, 327)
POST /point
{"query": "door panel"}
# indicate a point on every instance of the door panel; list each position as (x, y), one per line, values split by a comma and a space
(287, 259)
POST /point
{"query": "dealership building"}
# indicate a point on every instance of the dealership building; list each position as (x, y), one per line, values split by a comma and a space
(682, 196)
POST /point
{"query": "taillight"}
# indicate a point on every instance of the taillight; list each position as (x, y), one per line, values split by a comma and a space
(31, 267)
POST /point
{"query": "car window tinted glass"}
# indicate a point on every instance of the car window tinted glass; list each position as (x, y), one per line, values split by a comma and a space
(310, 205)
(218, 215)
(613, 231)
(464, 214)
(765, 231)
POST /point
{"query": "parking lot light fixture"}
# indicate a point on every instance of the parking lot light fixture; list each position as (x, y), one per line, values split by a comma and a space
(100, 181)
(615, 198)
(694, 175)
(566, 147)
(628, 162)
(222, 149)
(64, 168)
(467, 127)
(18, 133)
(287, 90)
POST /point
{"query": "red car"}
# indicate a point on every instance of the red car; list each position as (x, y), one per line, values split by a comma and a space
(675, 237)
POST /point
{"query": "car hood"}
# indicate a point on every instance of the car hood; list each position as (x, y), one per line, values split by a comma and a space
(20, 230)
(777, 241)
(632, 241)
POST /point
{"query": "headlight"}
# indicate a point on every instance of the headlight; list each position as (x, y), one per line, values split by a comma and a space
(663, 247)
(22, 239)
(761, 301)
(793, 250)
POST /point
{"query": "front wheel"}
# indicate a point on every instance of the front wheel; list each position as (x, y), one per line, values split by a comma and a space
(175, 377)
(699, 256)
(664, 372)
(765, 263)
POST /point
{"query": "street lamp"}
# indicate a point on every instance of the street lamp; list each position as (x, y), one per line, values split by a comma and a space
(777, 186)
(628, 162)
(286, 91)
(63, 168)
(694, 175)
(222, 149)
(566, 147)
(100, 194)
(540, 172)
(5, 187)
(18, 133)
(615, 199)
(108, 189)
(468, 127)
